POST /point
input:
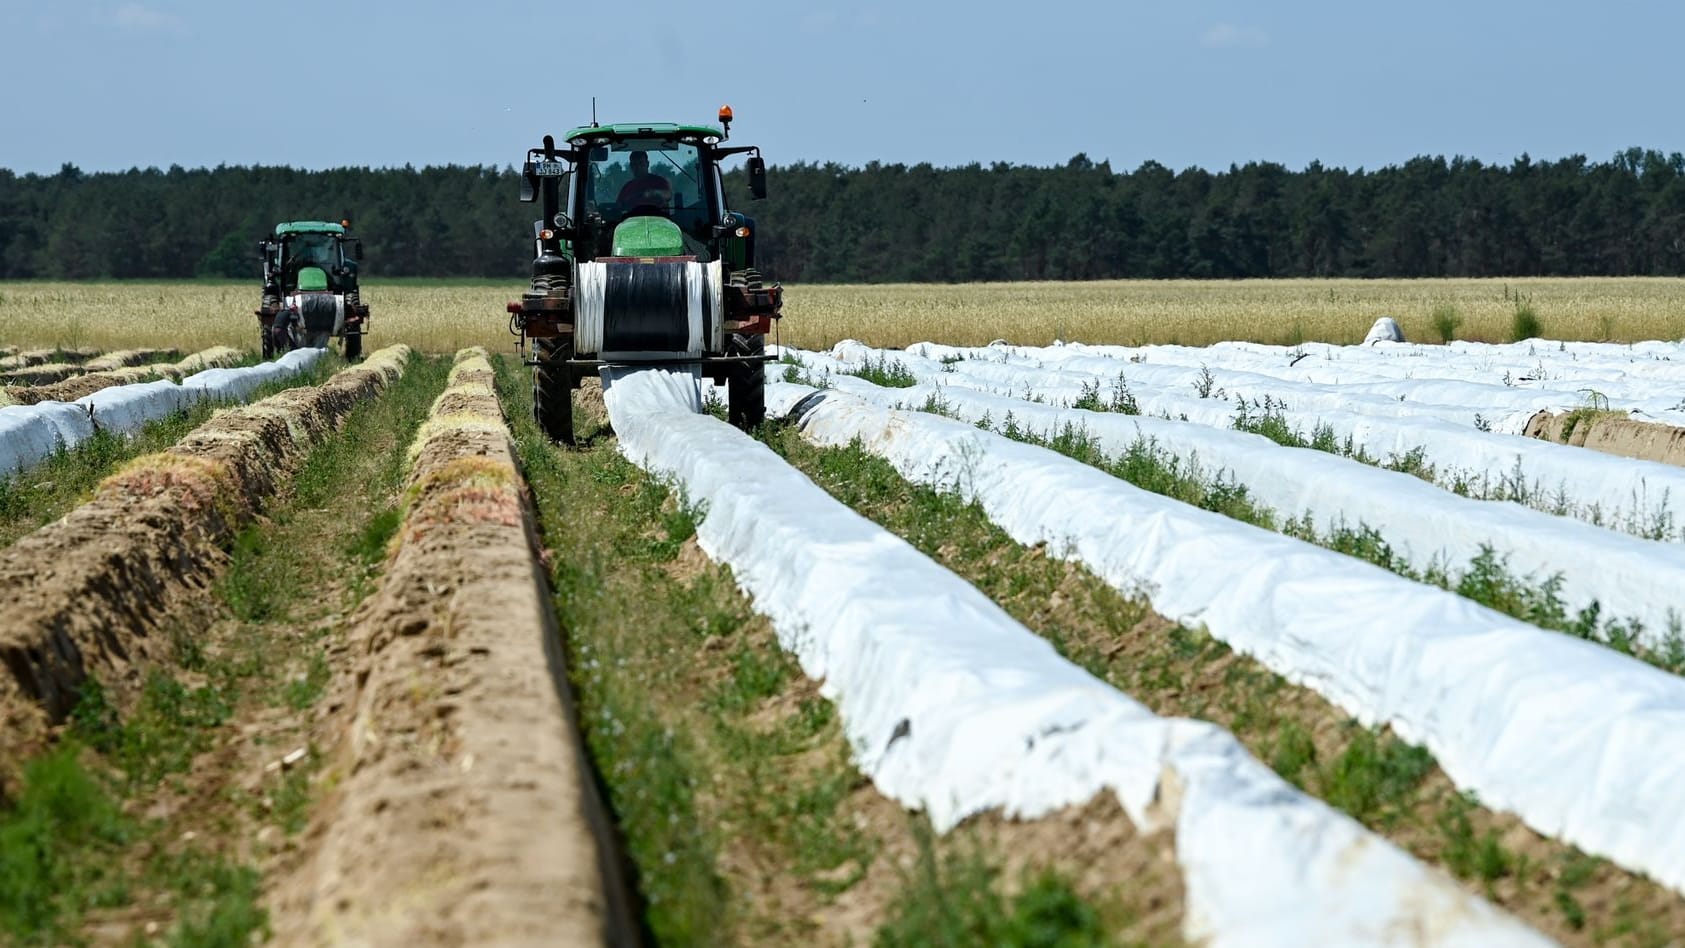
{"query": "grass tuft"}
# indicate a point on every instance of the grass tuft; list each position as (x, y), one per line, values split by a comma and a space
(956, 899)
(887, 372)
(1446, 321)
(1525, 323)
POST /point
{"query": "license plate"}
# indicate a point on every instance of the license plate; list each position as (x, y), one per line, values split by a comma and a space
(551, 169)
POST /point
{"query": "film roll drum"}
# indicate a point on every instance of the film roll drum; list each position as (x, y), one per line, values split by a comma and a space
(648, 311)
(321, 312)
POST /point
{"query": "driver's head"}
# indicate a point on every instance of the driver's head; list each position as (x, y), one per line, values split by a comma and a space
(640, 163)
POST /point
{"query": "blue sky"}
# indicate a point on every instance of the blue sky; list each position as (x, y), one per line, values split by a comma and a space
(111, 85)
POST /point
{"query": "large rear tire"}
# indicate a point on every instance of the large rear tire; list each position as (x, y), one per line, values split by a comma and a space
(268, 341)
(552, 388)
(746, 382)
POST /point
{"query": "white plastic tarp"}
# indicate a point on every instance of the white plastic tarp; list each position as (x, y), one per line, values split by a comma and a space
(1630, 578)
(953, 707)
(1579, 741)
(1645, 377)
(31, 433)
(1636, 496)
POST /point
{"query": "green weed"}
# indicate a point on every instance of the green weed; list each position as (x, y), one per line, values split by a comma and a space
(57, 844)
(1374, 777)
(890, 373)
(1292, 752)
(1446, 321)
(955, 899)
(1469, 855)
(1525, 323)
(1119, 399)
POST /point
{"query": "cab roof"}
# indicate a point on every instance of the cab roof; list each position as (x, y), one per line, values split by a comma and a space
(308, 227)
(642, 130)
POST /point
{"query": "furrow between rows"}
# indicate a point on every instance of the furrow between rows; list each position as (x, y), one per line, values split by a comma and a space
(464, 811)
(87, 593)
(953, 708)
(1509, 711)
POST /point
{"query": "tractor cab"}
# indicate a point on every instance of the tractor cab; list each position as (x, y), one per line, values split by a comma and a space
(647, 177)
(641, 190)
(315, 252)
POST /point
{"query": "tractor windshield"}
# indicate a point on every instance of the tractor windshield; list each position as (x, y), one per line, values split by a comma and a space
(647, 176)
(312, 250)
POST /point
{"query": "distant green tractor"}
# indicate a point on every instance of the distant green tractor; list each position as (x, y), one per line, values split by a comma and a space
(638, 261)
(310, 291)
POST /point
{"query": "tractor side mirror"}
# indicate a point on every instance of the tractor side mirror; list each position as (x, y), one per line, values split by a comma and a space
(757, 177)
(357, 250)
(529, 183)
(263, 249)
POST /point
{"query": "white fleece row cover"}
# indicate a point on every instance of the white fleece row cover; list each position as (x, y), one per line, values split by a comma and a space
(1600, 488)
(1505, 408)
(1638, 376)
(1645, 377)
(953, 707)
(1581, 742)
(1629, 577)
(29, 434)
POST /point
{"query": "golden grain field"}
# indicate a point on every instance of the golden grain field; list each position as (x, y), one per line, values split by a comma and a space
(449, 316)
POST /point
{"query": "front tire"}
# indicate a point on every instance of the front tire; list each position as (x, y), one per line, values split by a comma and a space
(353, 346)
(552, 388)
(746, 382)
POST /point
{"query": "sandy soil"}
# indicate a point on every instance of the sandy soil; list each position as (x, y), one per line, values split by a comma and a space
(1613, 434)
(463, 811)
(1223, 690)
(1094, 846)
(123, 358)
(44, 374)
(18, 360)
(87, 594)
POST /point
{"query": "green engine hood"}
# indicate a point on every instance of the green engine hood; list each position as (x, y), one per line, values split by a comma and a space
(312, 278)
(648, 237)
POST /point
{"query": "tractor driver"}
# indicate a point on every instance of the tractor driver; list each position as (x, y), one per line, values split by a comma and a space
(645, 189)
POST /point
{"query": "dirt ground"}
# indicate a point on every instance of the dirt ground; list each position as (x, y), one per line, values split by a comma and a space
(1094, 846)
(88, 594)
(463, 810)
(1184, 673)
(1612, 433)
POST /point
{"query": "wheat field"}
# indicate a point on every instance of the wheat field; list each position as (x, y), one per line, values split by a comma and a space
(449, 315)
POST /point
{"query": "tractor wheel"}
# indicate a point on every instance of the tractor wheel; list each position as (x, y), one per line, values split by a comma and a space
(268, 342)
(552, 388)
(746, 382)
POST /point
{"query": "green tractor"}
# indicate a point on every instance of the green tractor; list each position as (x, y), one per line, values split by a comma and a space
(310, 291)
(638, 261)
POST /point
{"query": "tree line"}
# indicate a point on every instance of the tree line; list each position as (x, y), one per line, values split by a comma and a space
(1429, 217)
